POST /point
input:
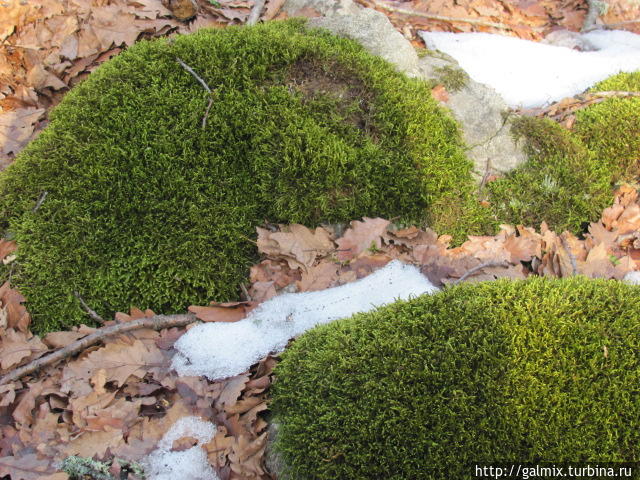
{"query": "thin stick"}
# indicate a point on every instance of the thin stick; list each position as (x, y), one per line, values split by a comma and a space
(477, 268)
(572, 257)
(432, 16)
(195, 75)
(256, 11)
(40, 200)
(157, 322)
(91, 312)
(204, 85)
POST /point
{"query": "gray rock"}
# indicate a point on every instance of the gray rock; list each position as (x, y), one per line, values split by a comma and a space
(482, 114)
(374, 32)
(295, 8)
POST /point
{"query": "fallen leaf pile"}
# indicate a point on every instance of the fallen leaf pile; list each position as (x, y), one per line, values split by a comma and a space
(118, 398)
(528, 19)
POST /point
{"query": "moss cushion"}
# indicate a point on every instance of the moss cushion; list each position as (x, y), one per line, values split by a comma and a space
(145, 207)
(563, 182)
(612, 128)
(537, 370)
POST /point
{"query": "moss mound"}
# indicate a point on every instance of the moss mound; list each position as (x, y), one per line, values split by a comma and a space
(146, 208)
(538, 370)
(612, 128)
(563, 182)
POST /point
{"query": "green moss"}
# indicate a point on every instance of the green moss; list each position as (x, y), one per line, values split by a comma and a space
(146, 208)
(454, 79)
(512, 371)
(612, 128)
(562, 183)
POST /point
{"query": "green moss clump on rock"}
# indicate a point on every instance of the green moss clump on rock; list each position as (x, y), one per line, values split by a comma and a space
(612, 128)
(511, 371)
(146, 208)
(563, 183)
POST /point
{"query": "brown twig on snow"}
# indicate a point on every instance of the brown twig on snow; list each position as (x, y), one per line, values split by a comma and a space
(204, 85)
(477, 268)
(255, 13)
(572, 257)
(156, 322)
(91, 312)
(443, 18)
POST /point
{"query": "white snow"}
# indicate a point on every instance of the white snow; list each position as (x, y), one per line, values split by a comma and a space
(190, 464)
(220, 350)
(531, 74)
(632, 278)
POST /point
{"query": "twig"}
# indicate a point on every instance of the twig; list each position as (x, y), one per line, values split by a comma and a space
(195, 75)
(610, 25)
(92, 313)
(204, 85)
(256, 11)
(572, 257)
(40, 201)
(477, 268)
(432, 16)
(157, 322)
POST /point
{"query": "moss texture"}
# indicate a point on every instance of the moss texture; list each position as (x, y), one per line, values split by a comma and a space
(537, 370)
(563, 182)
(612, 128)
(146, 208)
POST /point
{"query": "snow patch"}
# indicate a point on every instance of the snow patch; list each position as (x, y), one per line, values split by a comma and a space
(220, 350)
(190, 464)
(632, 278)
(530, 74)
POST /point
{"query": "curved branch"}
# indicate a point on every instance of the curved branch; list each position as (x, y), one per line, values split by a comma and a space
(157, 322)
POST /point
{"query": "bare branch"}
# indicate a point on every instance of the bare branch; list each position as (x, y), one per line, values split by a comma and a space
(256, 11)
(157, 322)
(195, 75)
(40, 201)
(204, 85)
(92, 313)
(478, 268)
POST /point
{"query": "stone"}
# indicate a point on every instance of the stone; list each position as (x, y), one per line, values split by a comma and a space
(484, 119)
(376, 34)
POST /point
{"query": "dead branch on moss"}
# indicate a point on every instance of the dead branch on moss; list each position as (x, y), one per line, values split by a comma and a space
(204, 85)
(40, 201)
(157, 322)
(256, 11)
(477, 269)
(442, 18)
(91, 312)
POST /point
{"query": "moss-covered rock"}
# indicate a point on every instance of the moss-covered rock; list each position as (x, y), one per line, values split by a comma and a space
(612, 128)
(145, 207)
(563, 182)
(537, 370)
